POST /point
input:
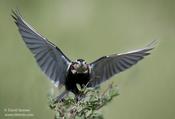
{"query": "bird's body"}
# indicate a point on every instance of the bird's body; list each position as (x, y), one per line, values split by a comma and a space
(74, 78)
(62, 71)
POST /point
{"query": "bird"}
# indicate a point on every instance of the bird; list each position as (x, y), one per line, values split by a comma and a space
(64, 72)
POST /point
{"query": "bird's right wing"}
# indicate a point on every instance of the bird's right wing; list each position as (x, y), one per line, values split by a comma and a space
(50, 58)
(105, 67)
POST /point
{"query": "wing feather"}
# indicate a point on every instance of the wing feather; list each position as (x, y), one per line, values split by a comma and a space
(107, 66)
(50, 58)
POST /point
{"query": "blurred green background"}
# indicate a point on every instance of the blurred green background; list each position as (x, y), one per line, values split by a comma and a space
(89, 29)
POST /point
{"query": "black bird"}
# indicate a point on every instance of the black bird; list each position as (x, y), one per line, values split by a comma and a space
(62, 71)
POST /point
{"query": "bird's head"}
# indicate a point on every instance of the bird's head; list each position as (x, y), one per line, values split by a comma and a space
(79, 66)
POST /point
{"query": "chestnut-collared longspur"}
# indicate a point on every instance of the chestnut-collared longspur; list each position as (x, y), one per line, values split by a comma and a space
(62, 71)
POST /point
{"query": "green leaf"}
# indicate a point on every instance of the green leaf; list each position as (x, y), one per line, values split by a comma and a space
(86, 108)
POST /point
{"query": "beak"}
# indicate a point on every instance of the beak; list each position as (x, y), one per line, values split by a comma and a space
(82, 64)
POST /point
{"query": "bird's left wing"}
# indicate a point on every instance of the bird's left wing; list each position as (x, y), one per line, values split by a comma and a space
(49, 57)
(105, 67)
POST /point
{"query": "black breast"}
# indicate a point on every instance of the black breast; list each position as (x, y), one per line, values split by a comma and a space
(77, 78)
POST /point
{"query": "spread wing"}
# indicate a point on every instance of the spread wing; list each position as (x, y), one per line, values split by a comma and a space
(105, 67)
(50, 58)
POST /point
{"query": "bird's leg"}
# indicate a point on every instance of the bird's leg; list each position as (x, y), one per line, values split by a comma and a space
(61, 96)
(79, 95)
